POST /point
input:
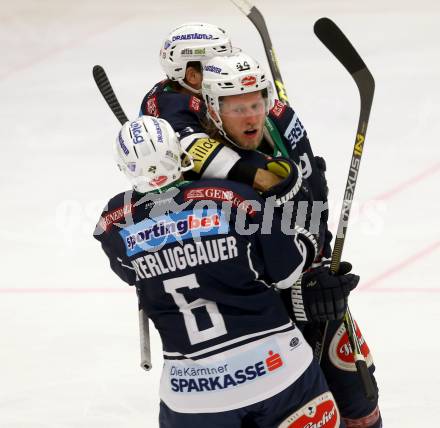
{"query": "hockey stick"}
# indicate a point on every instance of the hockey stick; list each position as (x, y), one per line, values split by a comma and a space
(104, 86)
(256, 17)
(338, 44)
(108, 94)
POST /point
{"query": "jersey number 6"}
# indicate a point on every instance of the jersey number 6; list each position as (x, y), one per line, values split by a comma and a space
(186, 308)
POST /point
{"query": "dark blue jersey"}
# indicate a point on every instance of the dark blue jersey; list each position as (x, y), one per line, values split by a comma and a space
(204, 261)
(288, 138)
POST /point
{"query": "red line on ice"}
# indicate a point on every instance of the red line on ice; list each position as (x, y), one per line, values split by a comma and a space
(400, 266)
(408, 183)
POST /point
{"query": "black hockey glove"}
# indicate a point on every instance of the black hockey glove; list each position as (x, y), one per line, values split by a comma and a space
(291, 186)
(321, 296)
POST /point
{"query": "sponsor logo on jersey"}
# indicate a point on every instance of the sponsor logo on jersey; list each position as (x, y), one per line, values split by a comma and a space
(122, 145)
(249, 81)
(114, 216)
(220, 194)
(191, 379)
(321, 412)
(201, 150)
(212, 69)
(278, 109)
(151, 234)
(295, 131)
(194, 104)
(192, 36)
(152, 107)
(136, 132)
(340, 351)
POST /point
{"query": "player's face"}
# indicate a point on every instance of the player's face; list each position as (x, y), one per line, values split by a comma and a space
(243, 118)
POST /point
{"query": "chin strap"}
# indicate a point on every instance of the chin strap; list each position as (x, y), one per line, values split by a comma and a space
(190, 88)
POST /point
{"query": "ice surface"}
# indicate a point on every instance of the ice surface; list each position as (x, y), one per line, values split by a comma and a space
(68, 328)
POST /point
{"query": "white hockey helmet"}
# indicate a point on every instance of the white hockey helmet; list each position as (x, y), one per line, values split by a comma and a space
(233, 75)
(192, 42)
(148, 152)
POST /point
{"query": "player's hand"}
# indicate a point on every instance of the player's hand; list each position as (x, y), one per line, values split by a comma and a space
(265, 179)
(322, 296)
(290, 185)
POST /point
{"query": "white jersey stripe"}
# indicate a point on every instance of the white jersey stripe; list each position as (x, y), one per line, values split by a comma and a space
(229, 342)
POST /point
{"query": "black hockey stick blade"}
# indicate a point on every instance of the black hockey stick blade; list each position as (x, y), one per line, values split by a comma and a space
(367, 381)
(257, 18)
(370, 389)
(338, 44)
(107, 92)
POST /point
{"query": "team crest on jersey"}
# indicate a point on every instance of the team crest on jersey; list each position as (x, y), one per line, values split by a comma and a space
(114, 216)
(321, 412)
(194, 104)
(152, 107)
(220, 194)
(340, 350)
(278, 109)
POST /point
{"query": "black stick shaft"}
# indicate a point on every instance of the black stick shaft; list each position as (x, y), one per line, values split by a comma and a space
(256, 17)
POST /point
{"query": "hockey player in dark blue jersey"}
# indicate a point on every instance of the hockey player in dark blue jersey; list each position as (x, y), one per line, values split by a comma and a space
(207, 271)
(239, 100)
(177, 100)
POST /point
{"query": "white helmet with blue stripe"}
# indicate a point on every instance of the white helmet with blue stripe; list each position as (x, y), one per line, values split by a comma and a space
(148, 152)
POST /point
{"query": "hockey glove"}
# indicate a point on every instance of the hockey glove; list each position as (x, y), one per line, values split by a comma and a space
(290, 185)
(321, 296)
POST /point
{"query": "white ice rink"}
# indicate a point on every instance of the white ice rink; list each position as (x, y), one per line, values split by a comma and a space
(69, 349)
